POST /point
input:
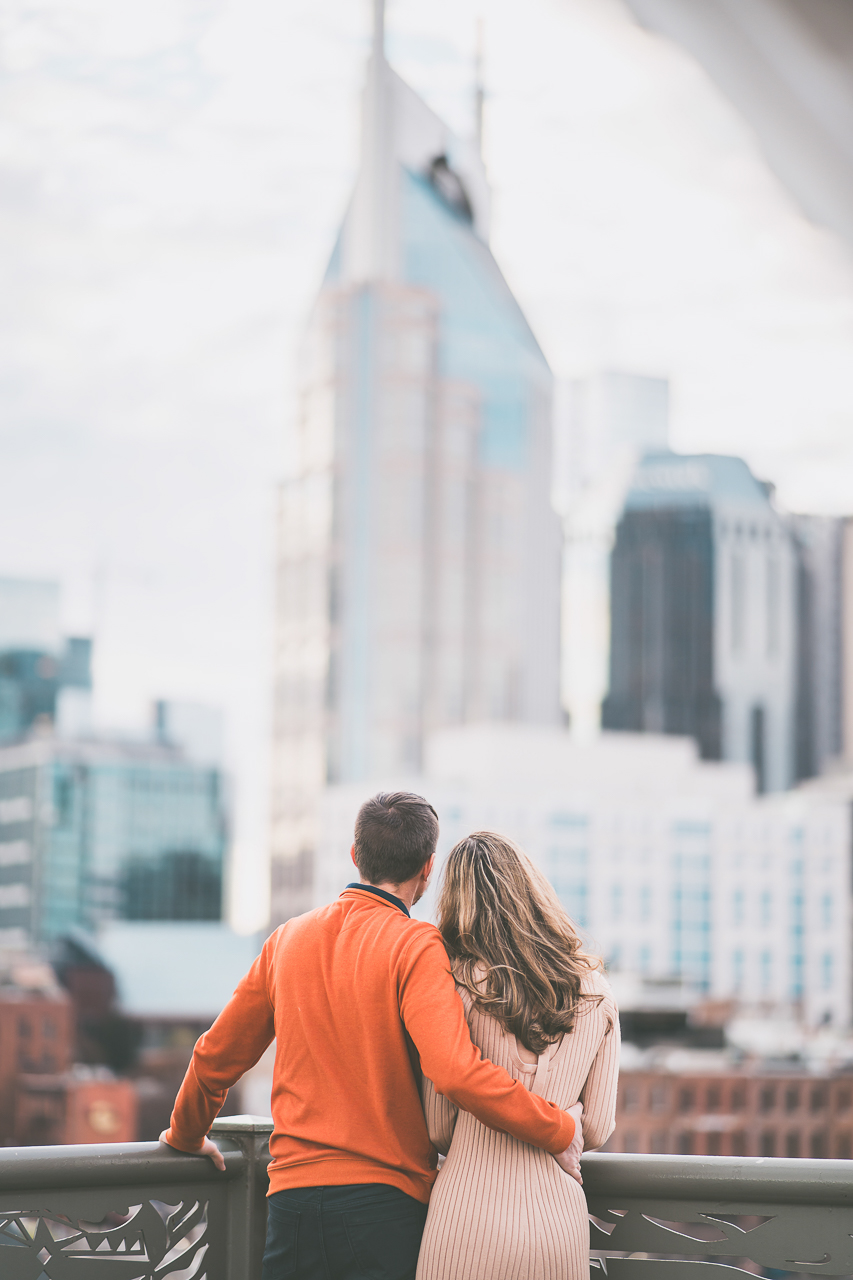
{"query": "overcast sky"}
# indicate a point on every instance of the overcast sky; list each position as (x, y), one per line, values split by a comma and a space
(172, 173)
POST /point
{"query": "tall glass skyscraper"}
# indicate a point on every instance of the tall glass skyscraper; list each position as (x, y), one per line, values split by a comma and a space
(419, 556)
(703, 604)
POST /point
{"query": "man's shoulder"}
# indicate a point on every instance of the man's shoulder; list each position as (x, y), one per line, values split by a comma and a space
(298, 929)
(335, 917)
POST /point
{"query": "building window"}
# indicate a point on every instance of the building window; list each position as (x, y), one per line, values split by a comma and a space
(712, 1098)
(714, 1144)
(738, 602)
(616, 900)
(766, 907)
(843, 1146)
(686, 1100)
(818, 1145)
(826, 970)
(631, 1098)
(685, 1144)
(24, 1028)
(792, 1144)
(738, 1099)
(739, 1143)
(818, 1099)
(826, 910)
(646, 902)
(659, 1097)
(737, 907)
(757, 733)
(768, 1098)
(737, 969)
(792, 1098)
(659, 1142)
(773, 602)
(766, 971)
(768, 1143)
(63, 799)
(844, 1100)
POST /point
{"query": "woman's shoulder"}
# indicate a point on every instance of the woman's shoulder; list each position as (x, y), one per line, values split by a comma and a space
(595, 983)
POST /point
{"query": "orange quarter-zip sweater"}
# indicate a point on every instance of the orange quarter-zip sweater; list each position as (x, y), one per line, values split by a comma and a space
(360, 1000)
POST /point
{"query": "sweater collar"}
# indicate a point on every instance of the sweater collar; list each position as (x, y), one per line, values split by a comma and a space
(381, 893)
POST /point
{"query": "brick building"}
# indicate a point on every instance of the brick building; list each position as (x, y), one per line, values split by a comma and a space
(84, 1105)
(746, 1110)
(36, 1036)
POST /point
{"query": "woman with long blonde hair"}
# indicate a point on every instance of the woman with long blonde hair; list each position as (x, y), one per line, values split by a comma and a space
(540, 1007)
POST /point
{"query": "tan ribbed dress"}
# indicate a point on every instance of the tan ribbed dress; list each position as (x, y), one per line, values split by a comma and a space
(500, 1209)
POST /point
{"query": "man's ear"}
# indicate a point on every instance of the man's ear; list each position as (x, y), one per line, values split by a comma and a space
(352, 855)
(427, 871)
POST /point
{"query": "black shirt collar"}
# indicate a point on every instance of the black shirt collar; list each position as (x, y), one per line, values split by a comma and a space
(380, 893)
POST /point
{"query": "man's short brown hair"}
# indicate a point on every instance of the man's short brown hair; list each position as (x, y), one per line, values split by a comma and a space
(395, 836)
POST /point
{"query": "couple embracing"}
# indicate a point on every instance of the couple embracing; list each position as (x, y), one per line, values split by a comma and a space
(491, 1039)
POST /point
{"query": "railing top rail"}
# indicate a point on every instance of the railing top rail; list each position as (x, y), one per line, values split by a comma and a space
(750, 1180)
(111, 1164)
(243, 1124)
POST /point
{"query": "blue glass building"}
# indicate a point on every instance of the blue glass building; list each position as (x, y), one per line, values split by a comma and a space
(419, 556)
(43, 676)
(98, 831)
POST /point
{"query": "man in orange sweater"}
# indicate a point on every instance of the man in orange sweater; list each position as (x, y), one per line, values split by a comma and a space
(360, 1000)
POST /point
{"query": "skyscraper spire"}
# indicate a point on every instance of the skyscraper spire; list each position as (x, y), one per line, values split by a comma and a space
(479, 92)
(378, 49)
(370, 248)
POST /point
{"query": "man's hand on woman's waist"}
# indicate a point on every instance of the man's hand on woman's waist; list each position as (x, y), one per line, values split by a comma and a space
(570, 1159)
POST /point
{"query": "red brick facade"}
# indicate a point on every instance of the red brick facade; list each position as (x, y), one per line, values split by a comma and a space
(36, 1036)
(737, 1113)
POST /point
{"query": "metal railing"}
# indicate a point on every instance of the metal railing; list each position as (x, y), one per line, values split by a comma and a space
(715, 1217)
(136, 1212)
(140, 1212)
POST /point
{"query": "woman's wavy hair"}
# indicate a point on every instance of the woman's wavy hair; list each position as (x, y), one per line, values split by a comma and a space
(497, 912)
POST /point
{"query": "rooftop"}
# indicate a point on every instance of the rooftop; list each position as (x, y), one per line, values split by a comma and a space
(674, 480)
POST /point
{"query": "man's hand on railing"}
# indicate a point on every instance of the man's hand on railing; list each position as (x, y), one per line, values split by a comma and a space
(208, 1148)
(570, 1159)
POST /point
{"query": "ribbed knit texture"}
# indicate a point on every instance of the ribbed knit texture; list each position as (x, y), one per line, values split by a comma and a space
(503, 1210)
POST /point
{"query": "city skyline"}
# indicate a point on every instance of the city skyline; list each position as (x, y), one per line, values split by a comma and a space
(172, 220)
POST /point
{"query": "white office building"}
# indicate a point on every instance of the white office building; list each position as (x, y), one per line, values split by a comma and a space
(673, 867)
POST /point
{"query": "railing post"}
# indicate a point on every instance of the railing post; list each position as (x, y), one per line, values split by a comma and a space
(247, 1207)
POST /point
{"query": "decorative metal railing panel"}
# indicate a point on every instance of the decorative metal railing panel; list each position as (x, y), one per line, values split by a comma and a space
(145, 1213)
(133, 1242)
(139, 1212)
(717, 1218)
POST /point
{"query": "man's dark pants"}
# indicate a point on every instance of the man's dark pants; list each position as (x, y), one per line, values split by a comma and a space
(359, 1232)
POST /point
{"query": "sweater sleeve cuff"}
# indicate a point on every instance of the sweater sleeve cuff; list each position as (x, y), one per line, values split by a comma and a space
(563, 1137)
(192, 1149)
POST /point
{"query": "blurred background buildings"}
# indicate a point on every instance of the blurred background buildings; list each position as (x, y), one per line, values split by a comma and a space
(114, 858)
(573, 609)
